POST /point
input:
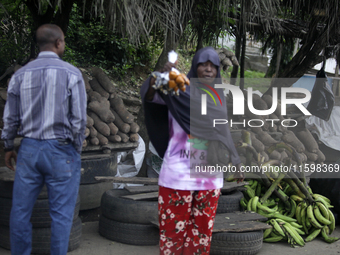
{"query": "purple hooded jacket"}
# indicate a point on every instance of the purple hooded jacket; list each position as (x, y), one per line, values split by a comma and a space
(156, 118)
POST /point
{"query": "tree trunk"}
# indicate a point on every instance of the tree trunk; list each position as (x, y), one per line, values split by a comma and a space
(243, 58)
(307, 57)
(62, 17)
(278, 57)
(335, 86)
(170, 43)
(200, 39)
(233, 75)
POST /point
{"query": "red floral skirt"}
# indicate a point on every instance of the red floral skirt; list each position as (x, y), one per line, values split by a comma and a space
(186, 220)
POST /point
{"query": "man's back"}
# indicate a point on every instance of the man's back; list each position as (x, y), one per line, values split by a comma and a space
(43, 90)
(46, 104)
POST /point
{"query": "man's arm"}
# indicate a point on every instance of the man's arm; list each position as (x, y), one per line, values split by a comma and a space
(78, 111)
(11, 120)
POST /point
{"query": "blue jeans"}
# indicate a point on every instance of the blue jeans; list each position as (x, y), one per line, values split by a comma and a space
(57, 164)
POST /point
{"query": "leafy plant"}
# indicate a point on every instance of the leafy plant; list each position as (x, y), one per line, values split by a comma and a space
(90, 42)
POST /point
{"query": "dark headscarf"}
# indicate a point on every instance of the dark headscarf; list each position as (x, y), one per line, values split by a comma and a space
(156, 117)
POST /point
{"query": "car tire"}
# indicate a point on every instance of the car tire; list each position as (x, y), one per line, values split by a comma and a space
(41, 238)
(229, 202)
(91, 194)
(40, 217)
(128, 233)
(97, 167)
(114, 207)
(244, 243)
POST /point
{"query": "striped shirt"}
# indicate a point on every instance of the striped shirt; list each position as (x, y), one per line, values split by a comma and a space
(46, 99)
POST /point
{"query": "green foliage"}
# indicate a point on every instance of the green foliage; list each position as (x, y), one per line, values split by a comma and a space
(253, 79)
(91, 43)
(15, 34)
(286, 56)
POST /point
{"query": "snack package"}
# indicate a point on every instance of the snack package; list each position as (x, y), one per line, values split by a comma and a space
(173, 81)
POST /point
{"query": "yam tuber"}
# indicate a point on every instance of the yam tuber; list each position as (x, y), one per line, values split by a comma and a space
(134, 137)
(311, 156)
(272, 128)
(273, 116)
(113, 129)
(86, 82)
(102, 139)
(290, 138)
(124, 137)
(102, 109)
(122, 126)
(100, 126)
(134, 127)
(306, 137)
(84, 143)
(89, 121)
(321, 156)
(93, 132)
(114, 138)
(103, 79)
(94, 141)
(282, 129)
(265, 138)
(268, 99)
(94, 96)
(87, 132)
(259, 103)
(283, 155)
(256, 130)
(96, 87)
(119, 107)
(275, 155)
(257, 144)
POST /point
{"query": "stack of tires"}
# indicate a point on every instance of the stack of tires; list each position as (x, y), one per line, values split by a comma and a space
(228, 243)
(128, 221)
(91, 190)
(40, 219)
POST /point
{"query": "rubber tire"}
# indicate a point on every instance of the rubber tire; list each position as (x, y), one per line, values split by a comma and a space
(246, 243)
(6, 190)
(91, 194)
(97, 167)
(40, 217)
(128, 233)
(41, 238)
(126, 210)
(230, 202)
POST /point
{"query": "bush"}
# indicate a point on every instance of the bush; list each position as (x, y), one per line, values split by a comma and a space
(91, 43)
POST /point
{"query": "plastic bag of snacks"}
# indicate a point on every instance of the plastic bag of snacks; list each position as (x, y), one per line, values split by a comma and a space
(171, 82)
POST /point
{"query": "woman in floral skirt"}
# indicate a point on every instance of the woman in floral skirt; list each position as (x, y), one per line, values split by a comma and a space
(188, 198)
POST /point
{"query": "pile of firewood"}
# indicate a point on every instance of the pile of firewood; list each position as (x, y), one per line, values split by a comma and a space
(108, 120)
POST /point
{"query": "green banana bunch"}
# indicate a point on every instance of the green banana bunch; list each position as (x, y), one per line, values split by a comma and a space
(301, 222)
(249, 191)
(313, 234)
(326, 237)
(295, 237)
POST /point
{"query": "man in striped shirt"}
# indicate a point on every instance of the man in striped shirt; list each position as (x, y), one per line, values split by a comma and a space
(46, 105)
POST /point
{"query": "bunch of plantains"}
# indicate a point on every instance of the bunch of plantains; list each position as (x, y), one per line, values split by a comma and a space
(281, 194)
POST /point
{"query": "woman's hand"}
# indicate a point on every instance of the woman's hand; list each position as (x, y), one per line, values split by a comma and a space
(167, 67)
(239, 175)
(151, 91)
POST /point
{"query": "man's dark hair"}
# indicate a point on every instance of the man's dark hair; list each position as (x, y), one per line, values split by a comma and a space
(48, 34)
